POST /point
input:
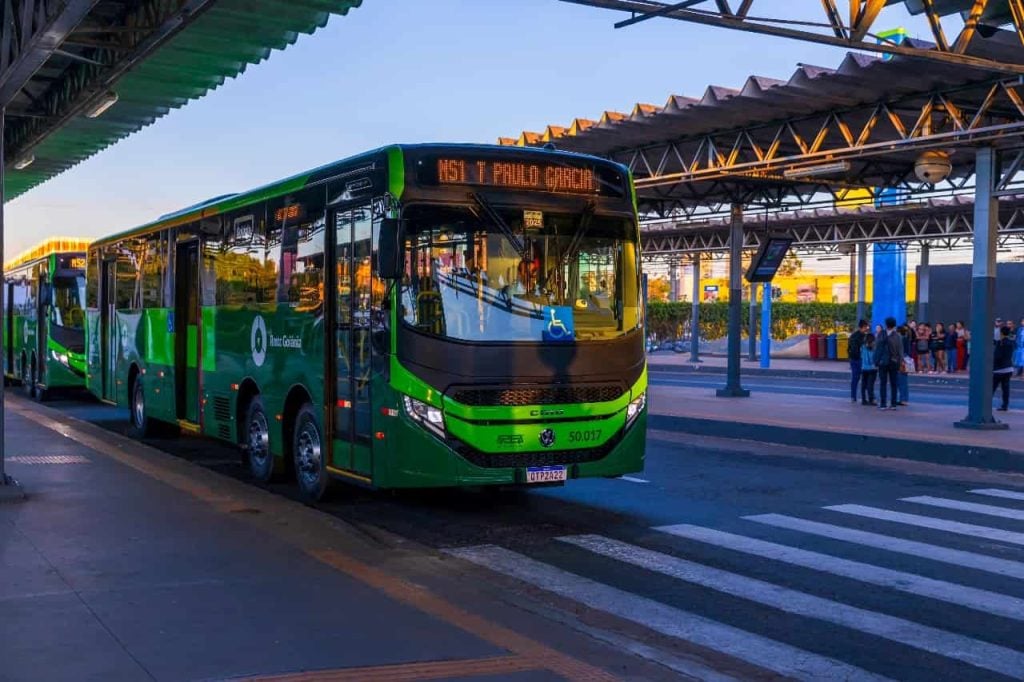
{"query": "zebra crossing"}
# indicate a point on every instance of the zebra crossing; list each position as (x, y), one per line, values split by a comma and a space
(923, 587)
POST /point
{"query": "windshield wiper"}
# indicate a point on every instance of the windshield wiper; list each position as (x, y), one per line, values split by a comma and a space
(503, 226)
(581, 228)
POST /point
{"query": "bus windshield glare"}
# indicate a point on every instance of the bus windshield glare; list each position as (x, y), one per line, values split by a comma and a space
(68, 302)
(497, 275)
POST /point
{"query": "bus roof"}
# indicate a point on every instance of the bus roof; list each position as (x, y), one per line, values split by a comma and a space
(229, 202)
(48, 247)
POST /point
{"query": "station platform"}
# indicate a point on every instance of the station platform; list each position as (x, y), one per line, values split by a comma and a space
(126, 563)
(919, 431)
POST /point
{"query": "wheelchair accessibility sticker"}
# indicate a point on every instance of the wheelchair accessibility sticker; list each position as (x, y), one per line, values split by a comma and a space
(558, 324)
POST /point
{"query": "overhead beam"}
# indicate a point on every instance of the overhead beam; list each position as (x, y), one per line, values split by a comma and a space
(38, 40)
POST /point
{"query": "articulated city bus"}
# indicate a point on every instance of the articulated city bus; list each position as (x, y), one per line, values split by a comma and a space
(425, 315)
(44, 316)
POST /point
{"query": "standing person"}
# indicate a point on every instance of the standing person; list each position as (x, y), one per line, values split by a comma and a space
(939, 351)
(905, 366)
(997, 329)
(1002, 366)
(923, 341)
(951, 347)
(868, 371)
(965, 333)
(1018, 353)
(888, 352)
(853, 347)
(913, 335)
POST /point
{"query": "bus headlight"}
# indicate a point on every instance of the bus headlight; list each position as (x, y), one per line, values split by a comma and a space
(635, 407)
(426, 415)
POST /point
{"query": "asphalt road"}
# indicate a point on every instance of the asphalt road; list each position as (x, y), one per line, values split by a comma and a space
(736, 560)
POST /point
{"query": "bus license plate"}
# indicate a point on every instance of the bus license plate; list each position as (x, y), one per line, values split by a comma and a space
(545, 474)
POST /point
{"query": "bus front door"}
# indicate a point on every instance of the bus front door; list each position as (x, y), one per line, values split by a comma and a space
(186, 330)
(9, 329)
(108, 336)
(349, 359)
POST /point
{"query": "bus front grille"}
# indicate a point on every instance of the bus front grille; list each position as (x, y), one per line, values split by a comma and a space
(517, 396)
(530, 459)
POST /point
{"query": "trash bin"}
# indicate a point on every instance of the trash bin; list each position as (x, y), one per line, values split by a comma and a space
(822, 347)
(812, 346)
(831, 346)
(842, 338)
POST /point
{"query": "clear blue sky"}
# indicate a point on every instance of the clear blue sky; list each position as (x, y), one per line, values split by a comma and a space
(401, 71)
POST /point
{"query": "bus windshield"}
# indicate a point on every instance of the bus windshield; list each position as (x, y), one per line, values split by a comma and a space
(68, 300)
(490, 274)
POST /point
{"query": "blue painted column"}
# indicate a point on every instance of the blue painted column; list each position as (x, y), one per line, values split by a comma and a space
(766, 325)
(889, 288)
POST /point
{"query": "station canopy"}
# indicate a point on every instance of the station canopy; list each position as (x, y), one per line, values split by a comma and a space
(822, 135)
(76, 76)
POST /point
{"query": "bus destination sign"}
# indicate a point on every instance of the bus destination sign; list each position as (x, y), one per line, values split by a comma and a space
(541, 177)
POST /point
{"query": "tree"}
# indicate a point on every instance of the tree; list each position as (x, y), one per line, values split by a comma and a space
(658, 289)
(790, 265)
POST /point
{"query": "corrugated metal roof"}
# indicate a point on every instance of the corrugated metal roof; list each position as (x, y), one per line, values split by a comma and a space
(761, 105)
(219, 44)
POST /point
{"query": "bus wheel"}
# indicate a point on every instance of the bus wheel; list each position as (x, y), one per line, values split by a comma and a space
(308, 452)
(141, 425)
(257, 442)
(27, 378)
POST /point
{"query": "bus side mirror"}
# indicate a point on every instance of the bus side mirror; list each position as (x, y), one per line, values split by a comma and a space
(389, 249)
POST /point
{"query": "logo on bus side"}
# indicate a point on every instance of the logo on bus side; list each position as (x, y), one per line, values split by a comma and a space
(258, 341)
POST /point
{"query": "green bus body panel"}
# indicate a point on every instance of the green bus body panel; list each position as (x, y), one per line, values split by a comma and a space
(277, 351)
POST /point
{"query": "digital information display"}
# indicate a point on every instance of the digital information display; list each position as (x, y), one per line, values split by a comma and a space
(768, 258)
(71, 262)
(515, 174)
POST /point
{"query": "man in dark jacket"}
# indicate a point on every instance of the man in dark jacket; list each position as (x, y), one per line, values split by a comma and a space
(888, 355)
(853, 352)
(1002, 366)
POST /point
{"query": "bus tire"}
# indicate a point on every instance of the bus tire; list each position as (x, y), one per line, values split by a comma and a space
(140, 425)
(308, 454)
(256, 441)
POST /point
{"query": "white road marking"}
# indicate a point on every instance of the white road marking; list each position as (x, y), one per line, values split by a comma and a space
(777, 657)
(970, 529)
(987, 509)
(957, 557)
(633, 479)
(971, 651)
(996, 492)
(969, 597)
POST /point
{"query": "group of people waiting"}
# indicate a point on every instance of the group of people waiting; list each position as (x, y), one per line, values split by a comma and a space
(892, 352)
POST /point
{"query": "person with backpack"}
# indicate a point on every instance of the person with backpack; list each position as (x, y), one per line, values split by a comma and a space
(868, 371)
(853, 348)
(888, 355)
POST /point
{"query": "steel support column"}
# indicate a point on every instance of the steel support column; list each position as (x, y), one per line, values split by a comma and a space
(752, 322)
(673, 281)
(766, 325)
(9, 489)
(983, 286)
(695, 312)
(862, 280)
(733, 389)
(923, 280)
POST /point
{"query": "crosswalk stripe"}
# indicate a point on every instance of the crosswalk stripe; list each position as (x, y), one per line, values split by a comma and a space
(971, 651)
(987, 509)
(957, 557)
(969, 597)
(996, 492)
(930, 522)
(762, 652)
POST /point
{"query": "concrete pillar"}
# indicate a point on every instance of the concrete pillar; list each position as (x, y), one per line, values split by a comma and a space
(673, 281)
(766, 325)
(752, 325)
(733, 389)
(983, 287)
(695, 312)
(862, 280)
(923, 277)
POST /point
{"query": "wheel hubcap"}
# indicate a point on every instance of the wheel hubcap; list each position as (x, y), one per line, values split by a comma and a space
(138, 407)
(308, 451)
(259, 438)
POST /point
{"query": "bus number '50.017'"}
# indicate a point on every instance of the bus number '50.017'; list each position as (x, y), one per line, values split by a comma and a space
(590, 436)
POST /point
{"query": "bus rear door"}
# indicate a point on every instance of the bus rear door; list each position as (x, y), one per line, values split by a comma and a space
(108, 339)
(186, 330)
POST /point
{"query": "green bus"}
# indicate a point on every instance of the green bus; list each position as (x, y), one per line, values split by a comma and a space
(44, 317)
(416, 316)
